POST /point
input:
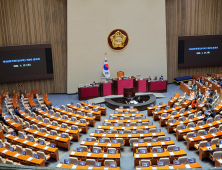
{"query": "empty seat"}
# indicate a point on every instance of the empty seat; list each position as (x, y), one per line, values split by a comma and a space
(144, 161)
(183, 159)
(139, 131)
(100, 150)
(210, 120)
(161, 138)
(190, 134)
(29, 152)
(148, 139)
(165, 160)
(202, 144)
(132, 123)
(127, 131)
(154, 149)
(190, 125)
(200, 133)
(152, 130)
(85, 148)
(106, 139)
(121, 141)
(217, 155)
(133, 140)
(214, 141)
(90, 162)
(211, 130)
(108, 161)
(170, 148)
(42, 155)
(74, 160)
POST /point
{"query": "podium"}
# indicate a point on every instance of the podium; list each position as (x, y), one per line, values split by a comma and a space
(119, 85)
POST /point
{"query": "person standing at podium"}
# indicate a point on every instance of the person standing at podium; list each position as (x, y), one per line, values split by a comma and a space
(161, 78)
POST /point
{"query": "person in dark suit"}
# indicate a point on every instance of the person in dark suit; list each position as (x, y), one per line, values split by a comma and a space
(50, 107)
(155, 78)
(149, 79)
(16, 110)
(161, 78)
(34, 109)
(213, 114)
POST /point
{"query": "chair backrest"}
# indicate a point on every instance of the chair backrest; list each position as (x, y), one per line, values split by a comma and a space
(152, 130)
(133, 140)
(161, 138)
(74, 160)
(217, 155)
(209, 120)
(179, 126)
(57, 114)
(107, 139)
(147, 139)
(43, 141)
(127, 118)
(154, 149)
(189, 135)
(90, 162)
(108, 161)
(127, 131)
(200, 133)
(214, 141)
(142, 148)
(199, 123)
(138, 117)
(121, 141)
(170, 148)
(85, 148)
(140, 131)
(74, 118)
(7, 145)
(189, 125)
(8, 161)
(100, 150)
(83, 120)
(217, 117)
(144, 123)
(55, 123)
(29, 152)
(55, 132)
(165, 160)
(41, 154)
(183, 159)
(132, 123)
(181, 118)
(202, 144)
(65, 125)
(144, 161)
(211, 130)
(190, 116)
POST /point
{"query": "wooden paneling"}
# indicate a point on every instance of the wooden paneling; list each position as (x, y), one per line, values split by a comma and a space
(190, 17)
(36, 22)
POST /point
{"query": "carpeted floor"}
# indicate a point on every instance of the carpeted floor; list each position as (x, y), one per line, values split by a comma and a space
(127, 161)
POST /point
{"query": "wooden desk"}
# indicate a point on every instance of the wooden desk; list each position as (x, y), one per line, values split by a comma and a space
(126, 109)
(203, 153)
(141, 85)
(201, 87)
(73, 133)
(184, 87)
(218, 108)
(182, 166)
(150, 145)
(163, 120)
(180, 133)
(61, 142)
(97, 115)
(86, 93)
(90, 119)
(102, 109)
(171, 126)
(126, 121)
(125, 127)
(150, 110)
(98, 156)
(104, 146)
(157, 114)
(24, 159)
(174, 99)
(126, 137)
(12, 124)
(119, 85)
(34, 145)
(130, 114)
(106, 89)
(72, 166)
(157, 86)
(186, 104)
(194, 140)
(154, 157)
(2, 135)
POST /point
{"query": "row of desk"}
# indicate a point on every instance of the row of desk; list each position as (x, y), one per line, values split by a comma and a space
(116, 88)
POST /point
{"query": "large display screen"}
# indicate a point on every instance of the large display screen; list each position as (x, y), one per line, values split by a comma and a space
(200, 51)
(25, 62)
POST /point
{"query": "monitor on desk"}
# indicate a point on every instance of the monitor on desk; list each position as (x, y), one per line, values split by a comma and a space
(82, 121)
(140, 140)
(143, 151)
(121, 132)
(154, 140)
(97, 131)
(134, 132)
(67, 161)
(139, 124)
(194, 135)
(191, 161)
(133, 118)
(73, 128)
(63, 135)
(193, 125)
(167, 138)
(120, 107)
(114, 141)
(112, 151)
(126, 112)
(90, 115)
(205, 132)
(101, 140)
(127, 124)
(160, 163)
(116, 112)
(220, 141)
(121, 118)
(51, 133)
(158, 130)
(131, 107)
(95, 110)
(79, 149)
(86, 101)
(32, 127)
(82, 114)
(13, 133)
(116, 124)
(145, 164)
(151, 105)
(23, 153)
(159, 150)
(97, 164)
(176, 162)
(36, 156)
(215, 130)
(174, 120)
(11, 149)
(94, 104)
(21, 136)
(89, 139)
(82, 163)
(136, 112)
(110, 118)
(175, 149)
(208, 144)
(113, 165)
(145, 131)
(143, 117)
(104, 124)
(94, 150)
(1, 145)
(102, 105)
(109, 132)
(54, 124)
(183, 127)
(52, 145)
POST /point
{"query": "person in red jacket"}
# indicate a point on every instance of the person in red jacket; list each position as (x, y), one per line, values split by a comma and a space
(194, 103)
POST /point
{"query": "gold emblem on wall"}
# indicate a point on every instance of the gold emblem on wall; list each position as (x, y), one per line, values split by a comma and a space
(118, 39)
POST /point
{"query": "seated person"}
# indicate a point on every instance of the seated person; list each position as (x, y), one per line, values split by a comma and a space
(50, 107)
(161, 78)
(194, 103)
(34, 109)
(194, 88)
(149, 79)
(155, 78)
(17, 111)
(207, 116)
(210, 99)
(199, 80)
(203, 83)
(213, 114)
